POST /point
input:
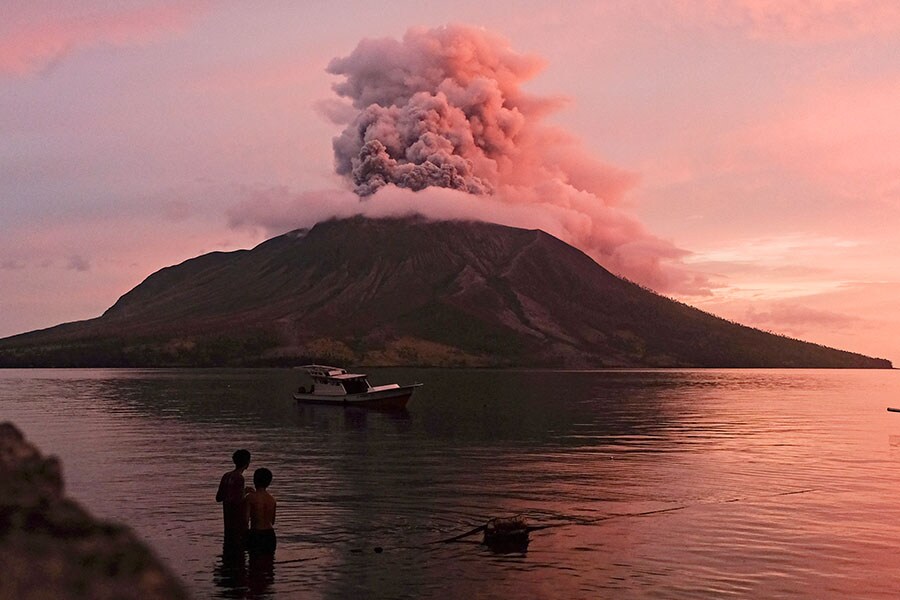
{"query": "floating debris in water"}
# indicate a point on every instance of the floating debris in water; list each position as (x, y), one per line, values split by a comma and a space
(507, 534)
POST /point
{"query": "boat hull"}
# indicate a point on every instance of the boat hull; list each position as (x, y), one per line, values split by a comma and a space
(393, 398)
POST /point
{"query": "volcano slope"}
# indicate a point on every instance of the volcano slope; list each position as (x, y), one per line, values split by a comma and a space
(407, 292)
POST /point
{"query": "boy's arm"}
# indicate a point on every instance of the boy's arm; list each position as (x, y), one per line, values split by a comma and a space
(248, 500)
(220, 494)
(274, 506)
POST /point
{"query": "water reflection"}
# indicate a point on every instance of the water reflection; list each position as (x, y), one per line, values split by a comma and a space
(237, 577)
(570, 449)
(351, 418)
(230, 574)
(261, 574)
(470, 407)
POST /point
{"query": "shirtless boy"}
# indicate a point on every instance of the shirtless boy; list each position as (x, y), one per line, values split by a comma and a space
(231, 495)
(261, 514)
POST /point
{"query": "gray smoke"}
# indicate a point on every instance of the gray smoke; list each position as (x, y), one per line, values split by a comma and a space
(443, 108)
(436, 109)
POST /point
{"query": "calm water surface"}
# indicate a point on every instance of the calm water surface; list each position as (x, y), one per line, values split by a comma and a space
(766, 483)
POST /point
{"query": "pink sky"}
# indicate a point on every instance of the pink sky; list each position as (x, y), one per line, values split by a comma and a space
(759, 143)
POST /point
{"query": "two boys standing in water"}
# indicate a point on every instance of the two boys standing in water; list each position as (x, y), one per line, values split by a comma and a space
(241, 505)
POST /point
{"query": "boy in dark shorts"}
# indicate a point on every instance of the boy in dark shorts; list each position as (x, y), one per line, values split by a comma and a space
(231, 495)
(261, 514)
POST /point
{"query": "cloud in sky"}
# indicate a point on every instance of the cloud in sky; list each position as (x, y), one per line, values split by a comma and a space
(797, 319)
(856, 316)
(830, 289)
(11, 265)
(276, 209)
(777, 251)
(77, 262)
(794, 21)
(33, 38)
(790, 266)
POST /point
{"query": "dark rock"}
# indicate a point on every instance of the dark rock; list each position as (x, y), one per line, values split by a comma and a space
(52, 548)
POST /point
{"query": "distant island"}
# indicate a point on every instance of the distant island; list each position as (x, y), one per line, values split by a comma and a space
(408, 292)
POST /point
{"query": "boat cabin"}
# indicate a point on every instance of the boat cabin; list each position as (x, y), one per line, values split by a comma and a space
(334, 381)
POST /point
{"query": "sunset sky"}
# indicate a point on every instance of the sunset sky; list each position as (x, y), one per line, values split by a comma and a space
(742, 156)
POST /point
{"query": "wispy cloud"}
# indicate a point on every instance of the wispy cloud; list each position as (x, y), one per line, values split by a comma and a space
(12, 265)
(771, 279)
(78, 263)
(799, 318)
(775, 250)
(31, 40)
(794, 21)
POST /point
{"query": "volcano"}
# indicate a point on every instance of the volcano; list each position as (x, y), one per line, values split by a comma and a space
(408, 292)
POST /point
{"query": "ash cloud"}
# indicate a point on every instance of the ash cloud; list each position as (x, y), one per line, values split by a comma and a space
(436, 124)
(440, 108)
(444, 108)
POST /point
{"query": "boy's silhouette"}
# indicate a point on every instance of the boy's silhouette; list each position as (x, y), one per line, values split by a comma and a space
(231, 495)
(260, 507)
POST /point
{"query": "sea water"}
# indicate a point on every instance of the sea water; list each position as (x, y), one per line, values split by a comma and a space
(652, 484)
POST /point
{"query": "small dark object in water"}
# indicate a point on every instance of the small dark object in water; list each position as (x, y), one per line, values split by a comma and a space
(506, 535)
(378, 549)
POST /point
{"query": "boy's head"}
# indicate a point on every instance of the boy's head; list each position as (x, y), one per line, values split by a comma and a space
(262, 478)
(241, 459)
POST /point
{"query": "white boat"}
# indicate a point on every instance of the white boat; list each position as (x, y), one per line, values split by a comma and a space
(333, 385)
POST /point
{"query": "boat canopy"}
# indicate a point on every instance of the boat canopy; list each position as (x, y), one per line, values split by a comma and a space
(347, 376)
(326, 372)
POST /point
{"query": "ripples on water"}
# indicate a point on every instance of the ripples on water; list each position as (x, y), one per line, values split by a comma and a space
(711, 455)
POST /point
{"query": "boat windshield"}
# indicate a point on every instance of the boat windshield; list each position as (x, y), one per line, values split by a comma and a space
(356, 386)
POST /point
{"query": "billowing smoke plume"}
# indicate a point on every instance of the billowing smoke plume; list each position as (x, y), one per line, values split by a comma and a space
(443, 108)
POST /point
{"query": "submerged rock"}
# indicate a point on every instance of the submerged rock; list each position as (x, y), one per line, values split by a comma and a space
(52, 548)
(504, 535)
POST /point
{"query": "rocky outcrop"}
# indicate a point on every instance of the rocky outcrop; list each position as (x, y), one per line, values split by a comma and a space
(52, 548)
